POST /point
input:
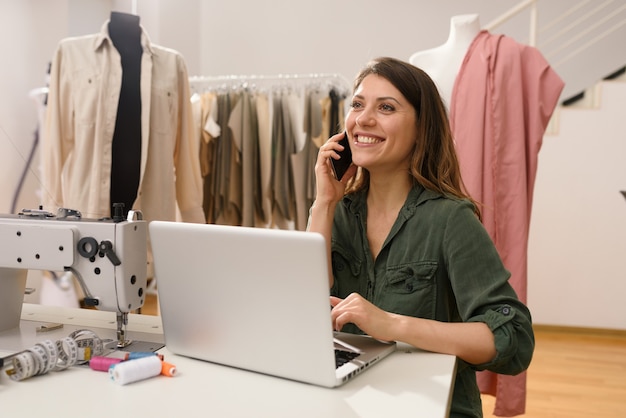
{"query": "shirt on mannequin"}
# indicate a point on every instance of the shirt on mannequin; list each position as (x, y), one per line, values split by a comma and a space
(85, 91)
(442, 63)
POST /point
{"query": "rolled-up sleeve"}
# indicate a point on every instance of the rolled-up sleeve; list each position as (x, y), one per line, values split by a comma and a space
(513, 336)
(483, 293)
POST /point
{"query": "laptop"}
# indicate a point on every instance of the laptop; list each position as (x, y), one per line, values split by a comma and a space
(255, 299)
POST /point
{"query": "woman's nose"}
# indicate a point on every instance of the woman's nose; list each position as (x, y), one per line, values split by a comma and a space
(365, 118)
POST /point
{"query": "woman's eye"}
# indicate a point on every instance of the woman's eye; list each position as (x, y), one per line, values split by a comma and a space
(387, 107)
(355, 105)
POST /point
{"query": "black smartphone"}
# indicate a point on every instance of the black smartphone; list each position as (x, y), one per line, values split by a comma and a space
(341, 165)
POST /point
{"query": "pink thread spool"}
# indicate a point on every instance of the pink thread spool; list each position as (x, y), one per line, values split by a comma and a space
(102, 364)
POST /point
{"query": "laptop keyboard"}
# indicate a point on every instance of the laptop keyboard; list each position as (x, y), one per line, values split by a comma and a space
(343, 356)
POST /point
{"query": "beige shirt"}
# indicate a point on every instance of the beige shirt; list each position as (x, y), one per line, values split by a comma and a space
(85, 83)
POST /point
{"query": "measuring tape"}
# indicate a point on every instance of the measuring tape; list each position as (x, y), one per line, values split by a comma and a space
(77, 348)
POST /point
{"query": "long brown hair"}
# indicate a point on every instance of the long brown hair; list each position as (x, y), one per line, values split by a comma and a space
(434, 163)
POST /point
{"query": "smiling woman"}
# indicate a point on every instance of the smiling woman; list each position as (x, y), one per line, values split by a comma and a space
(383, 128)
(411, 261)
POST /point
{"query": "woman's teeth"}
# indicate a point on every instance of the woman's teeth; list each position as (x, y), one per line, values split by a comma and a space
(367, 140)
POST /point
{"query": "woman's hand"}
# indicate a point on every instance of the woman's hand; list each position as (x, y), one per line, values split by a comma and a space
(370, 319)
(330, 189)
(329, 192)
(473, 342)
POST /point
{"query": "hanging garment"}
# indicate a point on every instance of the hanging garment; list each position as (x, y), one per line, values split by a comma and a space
(283, 144)
(228, 166)
(207, 132)
(244, 127)
(295, 105)
(264, 118)
(502, 101)
(85, 85)
(265, 177)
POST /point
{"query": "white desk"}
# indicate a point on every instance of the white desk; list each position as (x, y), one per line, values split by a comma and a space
(409, 382)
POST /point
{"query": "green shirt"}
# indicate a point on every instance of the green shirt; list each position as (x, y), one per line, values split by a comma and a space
(438, 262)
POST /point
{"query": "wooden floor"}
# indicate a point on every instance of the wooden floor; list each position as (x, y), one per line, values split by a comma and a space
(151, 304)
(575, 373)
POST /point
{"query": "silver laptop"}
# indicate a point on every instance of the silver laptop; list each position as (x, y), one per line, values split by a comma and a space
(256, 299)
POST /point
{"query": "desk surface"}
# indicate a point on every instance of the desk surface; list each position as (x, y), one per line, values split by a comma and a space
(409, 381)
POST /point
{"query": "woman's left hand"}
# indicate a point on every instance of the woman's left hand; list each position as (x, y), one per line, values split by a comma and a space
(369, 318)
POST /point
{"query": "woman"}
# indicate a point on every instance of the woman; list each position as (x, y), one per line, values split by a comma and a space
(411, 261)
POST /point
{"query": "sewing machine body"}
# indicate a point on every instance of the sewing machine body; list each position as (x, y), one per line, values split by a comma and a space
(108, 257)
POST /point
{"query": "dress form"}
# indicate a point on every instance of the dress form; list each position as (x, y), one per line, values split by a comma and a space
(125, 33)
(442, 63)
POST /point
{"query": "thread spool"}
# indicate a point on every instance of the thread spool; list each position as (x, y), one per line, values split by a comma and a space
(103, 364)
(133, 355)
(168, 369)
(134, 370)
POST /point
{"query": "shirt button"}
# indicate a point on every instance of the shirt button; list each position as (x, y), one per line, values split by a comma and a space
(506, 310)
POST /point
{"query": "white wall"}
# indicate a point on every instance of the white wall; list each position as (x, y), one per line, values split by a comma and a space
(577, 249)
(324, 36)
(216, 37)
(25, 57)
(266, 37)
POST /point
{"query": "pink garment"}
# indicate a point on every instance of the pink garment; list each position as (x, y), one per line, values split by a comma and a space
(502, 101)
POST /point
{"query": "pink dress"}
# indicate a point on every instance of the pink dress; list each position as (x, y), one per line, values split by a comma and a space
(502, 101)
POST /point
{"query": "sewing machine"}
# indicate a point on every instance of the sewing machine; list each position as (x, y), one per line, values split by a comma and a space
(108, 257)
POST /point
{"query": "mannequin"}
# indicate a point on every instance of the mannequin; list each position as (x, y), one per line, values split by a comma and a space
(152, 164)
(125, 32)
(442, 63)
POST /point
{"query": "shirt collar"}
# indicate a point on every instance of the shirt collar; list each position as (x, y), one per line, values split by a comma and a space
(103, 36)
(357, 202)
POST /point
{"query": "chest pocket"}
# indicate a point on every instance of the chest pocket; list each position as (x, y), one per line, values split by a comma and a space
(410, 289)
(163, 110)
(347, 270)
(86, 97)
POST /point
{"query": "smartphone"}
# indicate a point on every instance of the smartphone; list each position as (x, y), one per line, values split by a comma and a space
(341, 165)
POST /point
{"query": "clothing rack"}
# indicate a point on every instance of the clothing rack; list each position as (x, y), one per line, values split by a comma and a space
(259, 137)
(199, 84)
